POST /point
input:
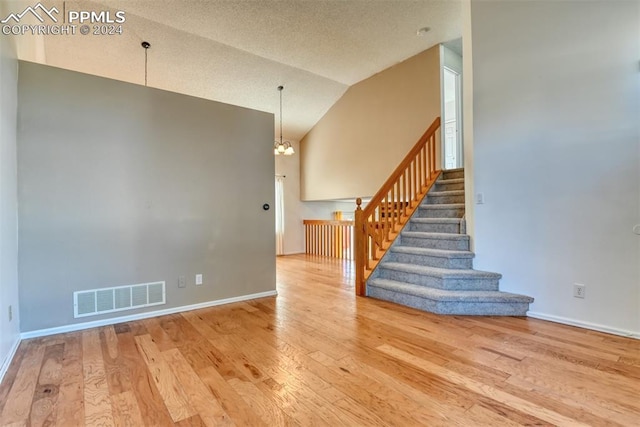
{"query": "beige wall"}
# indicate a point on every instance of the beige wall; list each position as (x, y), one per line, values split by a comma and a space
(352, 150)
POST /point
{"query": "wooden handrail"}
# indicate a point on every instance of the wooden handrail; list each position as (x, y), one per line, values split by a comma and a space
(379, 223)
(330, 238)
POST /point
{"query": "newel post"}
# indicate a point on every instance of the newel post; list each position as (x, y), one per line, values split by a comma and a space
(360, 250)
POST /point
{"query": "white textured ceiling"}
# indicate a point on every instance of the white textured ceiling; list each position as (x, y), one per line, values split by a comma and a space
(238, 52)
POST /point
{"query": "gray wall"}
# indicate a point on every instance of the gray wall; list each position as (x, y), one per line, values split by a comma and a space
(556, 91)
(121, 184)
(9, 330)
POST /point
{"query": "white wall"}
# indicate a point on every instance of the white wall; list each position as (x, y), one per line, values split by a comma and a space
(556, 88)
(9, 330)
(451, 60)
(289, 166)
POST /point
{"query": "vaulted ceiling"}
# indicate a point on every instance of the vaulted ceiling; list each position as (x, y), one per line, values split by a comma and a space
(238, 52)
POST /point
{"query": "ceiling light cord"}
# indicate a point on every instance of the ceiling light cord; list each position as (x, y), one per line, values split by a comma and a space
(146, 46)
(146, 63)
(282, 147)
(280, 90)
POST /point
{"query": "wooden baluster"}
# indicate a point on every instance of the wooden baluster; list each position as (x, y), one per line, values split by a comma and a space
(327, 244)
(432, 141)
(404, 191)
(394, 208)
(332, 239)
(386, 225)
(324, 240)
(423, 161)
(416, 190)
(360, 250)
(427, 161)
(349, 243)
(420, 170)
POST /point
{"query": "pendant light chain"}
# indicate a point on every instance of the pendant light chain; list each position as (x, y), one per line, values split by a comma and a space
(280, 89)
(146, 62)
(146, 46)
(282, 147)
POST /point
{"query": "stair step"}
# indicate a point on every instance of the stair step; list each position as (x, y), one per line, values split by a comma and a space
(440, 301)
(447, 193)
(445, 197)
(442, 180)
(435, 225)
(449, 184)
(455, 260)
(453, 173)
(439, 278)
(446, 241)
(448, 210)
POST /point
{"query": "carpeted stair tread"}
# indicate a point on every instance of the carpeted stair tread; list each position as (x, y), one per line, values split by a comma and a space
(440, 236)
(450, 181)
(437, 220)
(443, 273)
(442, 206)
(446, 193)
(441, 253)
(449, 295)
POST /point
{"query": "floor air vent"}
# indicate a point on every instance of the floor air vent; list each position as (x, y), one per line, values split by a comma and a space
(108, 300)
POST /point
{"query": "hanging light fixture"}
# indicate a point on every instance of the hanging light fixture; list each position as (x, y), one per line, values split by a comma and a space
(280, 147)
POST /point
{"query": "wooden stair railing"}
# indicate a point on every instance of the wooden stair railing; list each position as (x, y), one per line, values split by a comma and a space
(329, 238)
(379, 223)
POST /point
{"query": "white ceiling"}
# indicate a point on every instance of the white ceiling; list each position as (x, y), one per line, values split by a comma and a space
(238, 52)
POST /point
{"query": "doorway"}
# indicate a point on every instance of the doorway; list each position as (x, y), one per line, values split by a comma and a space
(452, 119)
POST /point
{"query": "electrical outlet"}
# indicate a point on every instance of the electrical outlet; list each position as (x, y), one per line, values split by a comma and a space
(579, 290)
(182, 283)
(10, 314)
(198, 279)
(480, 198)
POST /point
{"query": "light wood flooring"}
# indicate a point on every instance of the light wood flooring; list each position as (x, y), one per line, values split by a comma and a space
(317, 355)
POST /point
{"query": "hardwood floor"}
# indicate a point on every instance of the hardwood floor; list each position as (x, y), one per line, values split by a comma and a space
(317, 355)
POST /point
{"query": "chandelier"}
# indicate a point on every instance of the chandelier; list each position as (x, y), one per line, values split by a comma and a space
(280, 147)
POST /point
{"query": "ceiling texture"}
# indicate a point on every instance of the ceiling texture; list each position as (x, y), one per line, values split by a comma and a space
(238, 52)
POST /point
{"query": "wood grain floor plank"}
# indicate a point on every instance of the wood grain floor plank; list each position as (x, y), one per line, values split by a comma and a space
(232, 403)
(12, 372)
(97, 403)
(260, 403)
(172, 393)
(70, 404)
(18, 404)
(199, 397)
(152, 408)
(43, 406)
(126, 412)
(118, 376)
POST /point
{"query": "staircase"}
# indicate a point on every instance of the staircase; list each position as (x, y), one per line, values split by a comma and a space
(429, 266)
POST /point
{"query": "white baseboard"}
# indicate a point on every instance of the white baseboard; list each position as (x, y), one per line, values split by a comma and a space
(586, 325)
(7, 360)
(155, 313)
